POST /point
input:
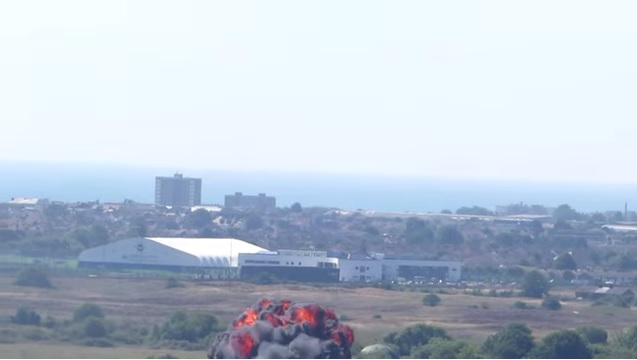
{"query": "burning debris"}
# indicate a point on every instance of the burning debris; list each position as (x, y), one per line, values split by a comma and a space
(282, 330)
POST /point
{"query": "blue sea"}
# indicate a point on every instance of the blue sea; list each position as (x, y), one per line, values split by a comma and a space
(115, 183)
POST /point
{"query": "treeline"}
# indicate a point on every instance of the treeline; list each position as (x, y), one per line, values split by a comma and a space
(515, 341)
(89, 326)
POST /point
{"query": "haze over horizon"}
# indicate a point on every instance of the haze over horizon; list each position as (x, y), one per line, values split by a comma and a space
(536, 91)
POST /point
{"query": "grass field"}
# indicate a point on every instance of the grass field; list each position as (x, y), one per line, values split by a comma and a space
(371, 312)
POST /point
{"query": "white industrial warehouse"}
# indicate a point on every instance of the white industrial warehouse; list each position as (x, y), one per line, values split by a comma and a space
(168, 253)
(204, 255)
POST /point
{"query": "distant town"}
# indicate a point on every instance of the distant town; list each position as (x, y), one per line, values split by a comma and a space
(322, 244)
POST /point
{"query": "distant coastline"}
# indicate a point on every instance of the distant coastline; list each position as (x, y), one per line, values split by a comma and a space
(115, 183)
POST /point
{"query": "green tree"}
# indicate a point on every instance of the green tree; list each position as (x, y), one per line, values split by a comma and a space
(597, 218)
(431, 300)
(513, 342)
(296, 207)
(186, 327)
(536, 228)
(87, 310)
(198, 219)
(55, 211)
(449, 235)
(562, 225)
(254, 222)
(94, 327)
(593, 334)
(137, 227)
(33, 277)
(414, 336)
(563, 344)
(535, 284)
(439, 348)
(564, 212)
(418, 231)
(565, 262)
(26, 316)
(551, 303)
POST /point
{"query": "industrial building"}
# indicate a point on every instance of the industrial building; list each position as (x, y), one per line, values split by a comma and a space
(241, 202)
(301, 265)
(175, 254)
(296, 265)
(177, 191)
(233, 257)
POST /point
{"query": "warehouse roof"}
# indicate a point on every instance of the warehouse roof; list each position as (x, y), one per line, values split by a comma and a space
(169, 252)
(213, 251)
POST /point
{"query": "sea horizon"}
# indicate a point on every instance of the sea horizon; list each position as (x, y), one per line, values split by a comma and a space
(116, 183)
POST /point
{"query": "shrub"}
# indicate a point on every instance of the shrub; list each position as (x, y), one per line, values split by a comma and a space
(35, 334)
(414, 336)
(26, 316)
(87, 310)
(186, 327)
(562, 344)
(513, 342)
(172, 283)
(551, 303)
(94, 327)
(431, 300)
(593, 334)
(49, 322)
(33, 277)
(521, 305)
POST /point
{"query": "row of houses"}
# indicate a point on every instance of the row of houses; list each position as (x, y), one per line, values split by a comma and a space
(207, 255)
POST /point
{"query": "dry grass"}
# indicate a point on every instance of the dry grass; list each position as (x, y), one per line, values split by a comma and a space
(59, 351)
(147, 302)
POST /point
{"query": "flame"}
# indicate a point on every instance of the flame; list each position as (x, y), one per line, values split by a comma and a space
(241, 341)
(307, 314)
(249, 317)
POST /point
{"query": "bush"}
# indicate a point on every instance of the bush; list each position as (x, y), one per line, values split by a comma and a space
(33, 277)
(35, 334)
(593, 334)
(49, 322)
(521, 305)
(562, 344)
(172, 283)
(94, 327)
(431, 300)
(87, 310)
(414, 336)
(26, 316)
(551, 303)
(186, 327)
(513, 342)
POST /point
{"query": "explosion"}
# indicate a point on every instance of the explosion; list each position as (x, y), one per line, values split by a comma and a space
(282, 330)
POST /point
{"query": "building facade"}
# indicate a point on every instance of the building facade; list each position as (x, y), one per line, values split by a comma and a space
(177, 191)
(316, 266)
(260, 202)
(295, 265)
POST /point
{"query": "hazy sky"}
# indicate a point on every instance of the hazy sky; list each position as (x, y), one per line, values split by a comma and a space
(536, 90)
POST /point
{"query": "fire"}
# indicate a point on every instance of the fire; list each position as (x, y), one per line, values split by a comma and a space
(249, 317)
(243, 343)
(309, 313)
(277, 329)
